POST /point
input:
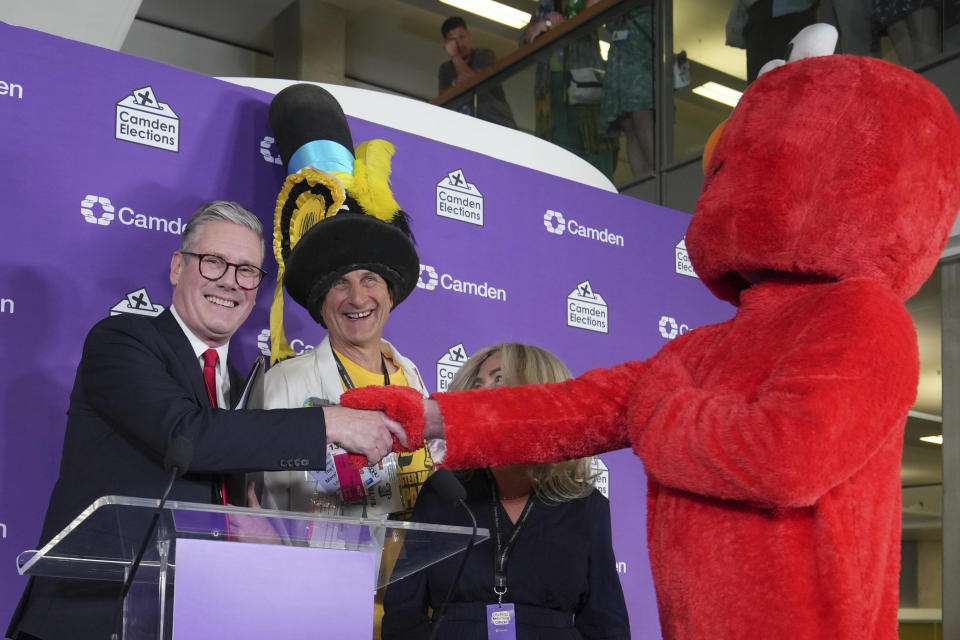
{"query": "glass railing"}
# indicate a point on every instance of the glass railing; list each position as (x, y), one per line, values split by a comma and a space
(582, 79)
(636, 87)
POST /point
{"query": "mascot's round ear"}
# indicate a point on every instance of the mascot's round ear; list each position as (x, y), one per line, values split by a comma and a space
(813, 40)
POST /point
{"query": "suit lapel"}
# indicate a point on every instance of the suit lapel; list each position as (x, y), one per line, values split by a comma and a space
(236, 382)
(170, 329)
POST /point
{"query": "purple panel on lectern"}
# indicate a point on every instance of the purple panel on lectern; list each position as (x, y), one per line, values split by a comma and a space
(104, 156)
(253, 591)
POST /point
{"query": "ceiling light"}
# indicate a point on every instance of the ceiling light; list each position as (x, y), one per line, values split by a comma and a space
(604, 49)
(933, 439)
(491, 10)
(718, 92)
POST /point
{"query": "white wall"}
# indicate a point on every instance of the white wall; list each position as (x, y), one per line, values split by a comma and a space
(187, 51)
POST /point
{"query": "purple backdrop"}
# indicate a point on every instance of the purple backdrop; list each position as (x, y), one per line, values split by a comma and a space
(97, 177)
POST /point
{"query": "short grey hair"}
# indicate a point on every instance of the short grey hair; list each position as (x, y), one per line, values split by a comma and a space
(220, 211)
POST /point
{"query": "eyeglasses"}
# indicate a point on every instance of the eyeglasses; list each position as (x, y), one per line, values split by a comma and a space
(213, 267)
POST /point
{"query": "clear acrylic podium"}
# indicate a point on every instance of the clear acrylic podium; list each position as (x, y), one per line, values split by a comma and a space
(215, 571)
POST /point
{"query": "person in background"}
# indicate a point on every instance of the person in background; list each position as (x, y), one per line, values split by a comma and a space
(144, 383)
(628, 85)
(575, 125)
(913, 27)
(560, 572)
(466, 64)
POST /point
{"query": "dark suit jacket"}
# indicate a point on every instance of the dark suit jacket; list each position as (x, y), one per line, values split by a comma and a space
(137, 385)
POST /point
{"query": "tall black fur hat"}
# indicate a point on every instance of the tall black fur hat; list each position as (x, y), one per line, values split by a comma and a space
(335, 212)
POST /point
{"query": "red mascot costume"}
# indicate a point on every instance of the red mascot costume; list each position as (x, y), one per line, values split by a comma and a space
(771, 441)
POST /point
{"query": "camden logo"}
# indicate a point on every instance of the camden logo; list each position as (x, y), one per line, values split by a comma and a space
(460, 200)
(449, 364)
(601, 475)
(430, 278)
(137, 303)
(143, 119)
(97, 210)
(586, 309)
(267, 146)
(263, 344)
(556, 223)
(7, 305)
(670, 328)
(101, 211)
(683, 265)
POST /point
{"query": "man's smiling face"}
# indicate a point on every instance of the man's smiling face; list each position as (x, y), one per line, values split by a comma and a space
(215, 309)
(356, 308)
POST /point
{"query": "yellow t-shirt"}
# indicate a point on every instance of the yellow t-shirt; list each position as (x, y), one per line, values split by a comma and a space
(413, 468)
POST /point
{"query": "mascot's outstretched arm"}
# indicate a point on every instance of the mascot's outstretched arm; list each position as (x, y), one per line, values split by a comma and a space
(531, 424)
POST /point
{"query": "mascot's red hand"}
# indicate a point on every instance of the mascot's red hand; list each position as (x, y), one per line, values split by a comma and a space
(403, 404)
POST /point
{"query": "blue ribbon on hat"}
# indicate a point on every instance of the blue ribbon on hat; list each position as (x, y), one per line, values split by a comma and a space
(325, 155)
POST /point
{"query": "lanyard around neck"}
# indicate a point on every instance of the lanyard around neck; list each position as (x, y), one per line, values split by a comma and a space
(345, 377)
(503, 550)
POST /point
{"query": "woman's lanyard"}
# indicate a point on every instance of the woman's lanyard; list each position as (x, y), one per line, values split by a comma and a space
(345, 377)
(503, 551)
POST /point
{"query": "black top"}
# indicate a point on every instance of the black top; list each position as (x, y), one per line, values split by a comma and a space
(561, 573)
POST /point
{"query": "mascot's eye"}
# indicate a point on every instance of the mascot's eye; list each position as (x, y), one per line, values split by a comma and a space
(708, 180)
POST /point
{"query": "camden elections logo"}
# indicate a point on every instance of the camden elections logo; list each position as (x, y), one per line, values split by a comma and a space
(101, 211)
(460, 200)
(430, 278)
(557, 224)
(267, 147)
(683, 266)
(586, 309)
(143, 119)
(601, 476)
(670, 328)
(449, 364)
(263, 344)
(137, 303)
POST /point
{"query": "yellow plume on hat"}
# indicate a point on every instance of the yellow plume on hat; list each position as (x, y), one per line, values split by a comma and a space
(371, 180)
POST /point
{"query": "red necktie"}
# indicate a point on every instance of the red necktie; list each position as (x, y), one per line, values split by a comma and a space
(210, 357)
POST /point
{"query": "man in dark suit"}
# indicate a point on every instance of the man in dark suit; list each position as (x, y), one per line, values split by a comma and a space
(142, 382)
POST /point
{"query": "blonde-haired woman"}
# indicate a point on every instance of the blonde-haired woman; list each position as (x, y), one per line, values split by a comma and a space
(549, 529)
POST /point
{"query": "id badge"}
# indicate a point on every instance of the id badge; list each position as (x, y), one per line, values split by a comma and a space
(501, 621)
(621, 34)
